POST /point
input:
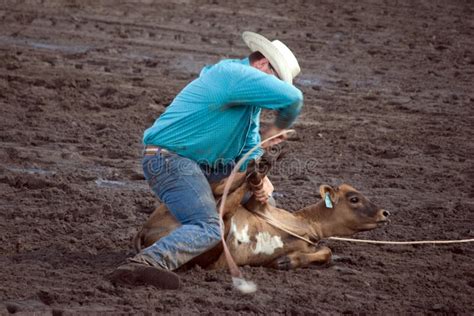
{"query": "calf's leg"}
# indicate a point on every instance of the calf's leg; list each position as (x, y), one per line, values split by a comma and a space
(299, 259)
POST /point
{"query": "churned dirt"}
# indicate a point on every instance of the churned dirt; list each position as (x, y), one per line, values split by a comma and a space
(389, 96)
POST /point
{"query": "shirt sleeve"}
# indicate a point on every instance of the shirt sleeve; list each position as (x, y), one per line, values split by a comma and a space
(250, 86)
(253, 139)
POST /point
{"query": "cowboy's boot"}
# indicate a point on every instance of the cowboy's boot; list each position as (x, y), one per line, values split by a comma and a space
(141, 270)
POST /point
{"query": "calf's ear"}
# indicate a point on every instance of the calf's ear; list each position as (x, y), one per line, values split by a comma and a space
(324, 188)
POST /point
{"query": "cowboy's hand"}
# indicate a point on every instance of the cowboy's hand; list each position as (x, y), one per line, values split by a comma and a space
(265, 192)
(272, 131)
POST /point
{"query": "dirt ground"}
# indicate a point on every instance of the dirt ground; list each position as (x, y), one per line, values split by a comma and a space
(389, 96)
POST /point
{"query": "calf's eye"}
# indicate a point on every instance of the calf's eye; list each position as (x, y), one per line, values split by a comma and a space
(354, 199)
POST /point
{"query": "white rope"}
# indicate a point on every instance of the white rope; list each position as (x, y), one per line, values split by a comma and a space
(367, 241)
(239, 282)
(416, 242)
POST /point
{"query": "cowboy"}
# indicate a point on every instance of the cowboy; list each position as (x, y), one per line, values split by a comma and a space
(210, 125)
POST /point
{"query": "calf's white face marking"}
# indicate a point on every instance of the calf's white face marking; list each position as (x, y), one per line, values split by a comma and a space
(267, 244)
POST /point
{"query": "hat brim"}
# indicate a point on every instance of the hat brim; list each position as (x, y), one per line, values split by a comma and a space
(257, 42)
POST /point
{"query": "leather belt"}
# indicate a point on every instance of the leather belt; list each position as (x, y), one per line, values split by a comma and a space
(153, 150)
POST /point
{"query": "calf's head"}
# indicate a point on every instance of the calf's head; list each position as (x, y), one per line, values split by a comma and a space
(351, 212)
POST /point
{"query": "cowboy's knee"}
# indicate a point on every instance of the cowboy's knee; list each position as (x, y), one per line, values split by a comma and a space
(213, 229)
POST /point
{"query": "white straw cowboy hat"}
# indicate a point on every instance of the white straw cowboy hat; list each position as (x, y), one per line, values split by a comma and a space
(280, 56)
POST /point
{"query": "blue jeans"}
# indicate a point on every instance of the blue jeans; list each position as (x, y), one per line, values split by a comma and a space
(183, 185)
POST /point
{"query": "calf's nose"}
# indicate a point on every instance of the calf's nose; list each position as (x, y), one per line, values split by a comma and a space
(385, 213)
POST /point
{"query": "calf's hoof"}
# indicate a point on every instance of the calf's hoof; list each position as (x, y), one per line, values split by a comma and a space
(283, 263)
(140, 274)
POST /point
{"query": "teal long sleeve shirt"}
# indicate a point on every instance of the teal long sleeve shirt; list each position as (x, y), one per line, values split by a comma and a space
(215, 119)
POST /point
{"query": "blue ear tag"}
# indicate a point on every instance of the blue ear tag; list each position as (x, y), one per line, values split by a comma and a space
(327, 200)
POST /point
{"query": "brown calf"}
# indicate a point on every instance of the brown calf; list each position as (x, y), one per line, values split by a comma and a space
(262, 235)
